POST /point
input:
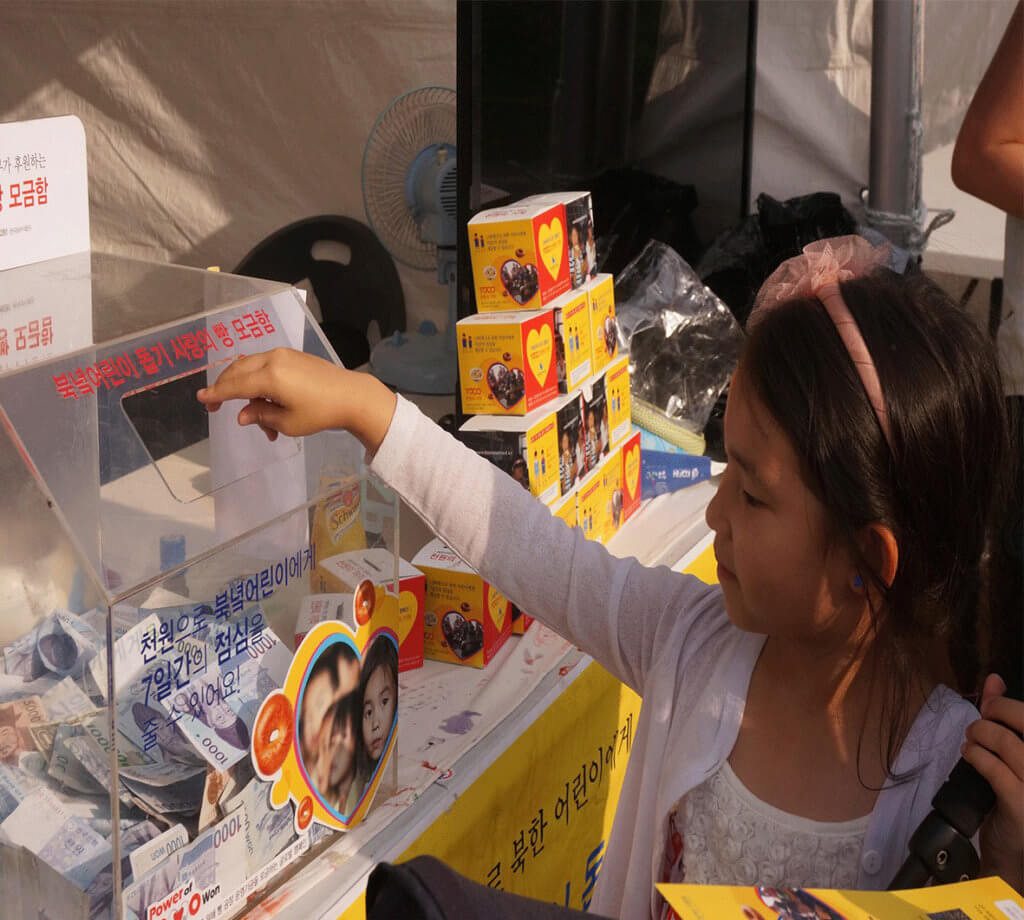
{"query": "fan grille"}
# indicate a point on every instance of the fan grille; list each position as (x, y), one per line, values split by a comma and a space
(412, 122)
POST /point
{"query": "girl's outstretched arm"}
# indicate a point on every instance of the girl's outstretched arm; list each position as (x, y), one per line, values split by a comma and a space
(995, 748)
(296, 394)
(622, 613)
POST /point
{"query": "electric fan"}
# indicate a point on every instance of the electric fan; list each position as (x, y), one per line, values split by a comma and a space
(409, 195)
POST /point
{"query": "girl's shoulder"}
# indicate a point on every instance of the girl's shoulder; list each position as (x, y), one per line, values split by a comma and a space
(936, 733)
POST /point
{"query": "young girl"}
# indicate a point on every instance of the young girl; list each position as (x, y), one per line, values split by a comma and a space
(795, 723)
(378, 694)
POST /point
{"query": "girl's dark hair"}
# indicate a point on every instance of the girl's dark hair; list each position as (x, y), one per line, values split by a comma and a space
(938, 485)
(382, 654)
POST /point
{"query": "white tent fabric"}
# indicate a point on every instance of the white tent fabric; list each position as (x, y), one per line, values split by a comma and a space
(813, 102)
(212, 123)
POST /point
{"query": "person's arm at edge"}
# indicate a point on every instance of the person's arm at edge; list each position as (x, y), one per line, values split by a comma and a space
(988, 159)
(995, 748)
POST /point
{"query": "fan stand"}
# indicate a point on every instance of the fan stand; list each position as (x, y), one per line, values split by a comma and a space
(423, 361)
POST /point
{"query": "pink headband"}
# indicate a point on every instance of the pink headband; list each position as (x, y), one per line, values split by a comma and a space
(817, 273)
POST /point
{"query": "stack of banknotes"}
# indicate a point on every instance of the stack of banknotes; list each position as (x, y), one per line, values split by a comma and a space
(177, 714)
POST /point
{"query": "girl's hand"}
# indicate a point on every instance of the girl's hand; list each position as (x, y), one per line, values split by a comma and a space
(292, 393)
(995, 748)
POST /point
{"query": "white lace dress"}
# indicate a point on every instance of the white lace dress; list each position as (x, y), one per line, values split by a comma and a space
(727, 836)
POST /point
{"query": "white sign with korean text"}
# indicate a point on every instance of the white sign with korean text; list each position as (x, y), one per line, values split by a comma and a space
(44, 191)
(45, 309)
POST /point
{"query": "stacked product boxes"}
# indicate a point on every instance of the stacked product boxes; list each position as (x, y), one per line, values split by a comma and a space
(540, 368)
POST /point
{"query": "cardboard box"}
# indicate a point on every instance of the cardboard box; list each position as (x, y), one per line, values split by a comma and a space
(665, 471)
(466, 619)
(525, 447)
(623, 485)
(613, 495)
(604, 330)
(617, 393)
(337, 577)
(507, 362)
(580, 236)
(520, 621)
(565, 508)
(337, 519)
(519, 256)
(572, 340)
(632, 475)
(594, 499)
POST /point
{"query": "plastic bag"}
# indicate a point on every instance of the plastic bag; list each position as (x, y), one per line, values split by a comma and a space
(738, 261)
(683, 342)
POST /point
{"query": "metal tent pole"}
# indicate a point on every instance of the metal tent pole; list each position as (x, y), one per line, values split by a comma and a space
(894, 182)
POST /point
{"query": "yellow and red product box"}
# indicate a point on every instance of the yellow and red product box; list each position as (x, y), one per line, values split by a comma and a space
(632, 475)
(604, 329)
(525, 447)
(572, 339)
(339, 576)
(594, 499)
(580, 237)
(520, 621)
(612, 478)
(563, 507)
(507, 362)
(466, 619)
(622, 486)
(519, 256)
(617, 394)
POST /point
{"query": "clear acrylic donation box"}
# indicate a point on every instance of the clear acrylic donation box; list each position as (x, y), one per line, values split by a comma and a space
(165, 750)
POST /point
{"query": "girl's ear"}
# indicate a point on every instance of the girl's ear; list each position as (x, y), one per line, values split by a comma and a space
(879, 546)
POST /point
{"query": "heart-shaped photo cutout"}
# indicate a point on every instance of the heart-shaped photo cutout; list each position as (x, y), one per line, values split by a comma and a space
(345, 717)
(520, 281)
(464, 637)
(507, 384)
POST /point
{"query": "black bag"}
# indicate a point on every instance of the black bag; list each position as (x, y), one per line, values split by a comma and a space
(424, 888)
